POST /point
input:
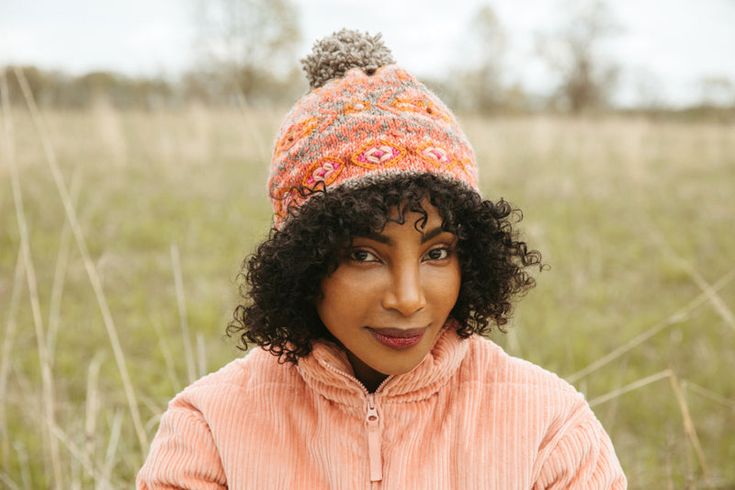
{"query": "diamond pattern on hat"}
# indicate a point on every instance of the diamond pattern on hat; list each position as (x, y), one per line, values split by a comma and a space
(325, 170)
(378, 154)
(434, 154)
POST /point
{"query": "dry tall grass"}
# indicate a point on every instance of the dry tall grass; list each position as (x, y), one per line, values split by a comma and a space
(121, 234)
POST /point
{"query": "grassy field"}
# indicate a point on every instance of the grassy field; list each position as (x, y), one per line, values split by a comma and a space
(108, 315)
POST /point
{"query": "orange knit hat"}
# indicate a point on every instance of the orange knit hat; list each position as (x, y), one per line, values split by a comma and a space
(365, 119)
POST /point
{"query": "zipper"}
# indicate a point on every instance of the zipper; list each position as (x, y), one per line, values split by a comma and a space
(373, 427)
(372, 422)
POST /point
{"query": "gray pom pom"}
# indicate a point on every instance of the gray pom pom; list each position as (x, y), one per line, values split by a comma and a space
(333, 56)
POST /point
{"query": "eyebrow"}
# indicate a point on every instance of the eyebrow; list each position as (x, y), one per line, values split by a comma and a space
(378, 237)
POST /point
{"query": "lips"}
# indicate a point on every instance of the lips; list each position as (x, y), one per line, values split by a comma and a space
(396, 338)
(399, 332)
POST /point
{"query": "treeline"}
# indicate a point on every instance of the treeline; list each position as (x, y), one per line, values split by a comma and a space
(54, 89)
(64, 91)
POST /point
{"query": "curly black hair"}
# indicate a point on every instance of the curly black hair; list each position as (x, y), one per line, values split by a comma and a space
(282, 278)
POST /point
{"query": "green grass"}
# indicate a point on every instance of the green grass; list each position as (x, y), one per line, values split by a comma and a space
(626, 213)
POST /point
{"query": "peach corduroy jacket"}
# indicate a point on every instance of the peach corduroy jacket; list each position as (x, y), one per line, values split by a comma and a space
(469, 416)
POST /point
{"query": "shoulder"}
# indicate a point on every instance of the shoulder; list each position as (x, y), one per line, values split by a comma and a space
(256, 371)
(488, 366)
(488, 362)
(195, 434)
(571, 443)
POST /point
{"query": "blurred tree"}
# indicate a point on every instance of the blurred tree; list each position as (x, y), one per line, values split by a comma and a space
(249, 43)
(56, 89)
(574, 52)
(40, 82)
(717, 91)
(486, 48)
(118, 90)
(476, 81)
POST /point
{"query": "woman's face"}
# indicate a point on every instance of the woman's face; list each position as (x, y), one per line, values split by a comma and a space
(401, 279)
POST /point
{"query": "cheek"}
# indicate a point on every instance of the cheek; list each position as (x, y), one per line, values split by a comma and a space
(445, 285)
(342, 294)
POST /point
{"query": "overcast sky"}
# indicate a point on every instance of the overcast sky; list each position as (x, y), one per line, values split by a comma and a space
(666, 46)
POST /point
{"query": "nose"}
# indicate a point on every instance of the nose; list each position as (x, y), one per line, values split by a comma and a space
(405, 294)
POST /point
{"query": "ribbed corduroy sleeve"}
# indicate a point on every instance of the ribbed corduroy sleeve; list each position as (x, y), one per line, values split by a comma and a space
(183, 454)
(580, 456)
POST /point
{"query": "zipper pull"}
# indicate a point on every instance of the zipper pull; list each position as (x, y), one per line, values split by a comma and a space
(373, 427)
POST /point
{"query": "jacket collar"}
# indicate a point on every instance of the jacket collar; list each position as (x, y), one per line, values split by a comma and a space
(328, 372)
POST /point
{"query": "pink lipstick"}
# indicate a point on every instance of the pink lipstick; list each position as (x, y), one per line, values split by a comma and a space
(398, 339)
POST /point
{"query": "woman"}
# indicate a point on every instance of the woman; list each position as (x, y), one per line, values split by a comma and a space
(368, 301)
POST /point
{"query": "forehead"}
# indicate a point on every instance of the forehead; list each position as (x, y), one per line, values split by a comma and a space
(432, 213)
(414, 226)
(415, 220)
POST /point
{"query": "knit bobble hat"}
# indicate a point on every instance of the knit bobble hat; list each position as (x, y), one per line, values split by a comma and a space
(364, 120)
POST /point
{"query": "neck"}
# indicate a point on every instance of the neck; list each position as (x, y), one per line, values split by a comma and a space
(365, 374)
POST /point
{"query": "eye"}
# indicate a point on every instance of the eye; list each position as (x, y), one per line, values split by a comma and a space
(438, 253)
(363, 256)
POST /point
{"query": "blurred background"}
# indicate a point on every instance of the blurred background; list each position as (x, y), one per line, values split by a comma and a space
(483, 57)
(134, 150)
